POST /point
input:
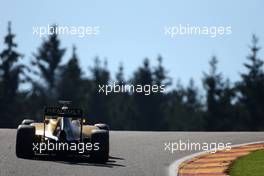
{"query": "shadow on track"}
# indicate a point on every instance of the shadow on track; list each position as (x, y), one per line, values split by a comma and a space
(80, 160)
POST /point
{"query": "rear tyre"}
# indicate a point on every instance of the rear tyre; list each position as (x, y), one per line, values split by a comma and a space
(100, 141)
(27, 121)
(24, 141)
(102, 126)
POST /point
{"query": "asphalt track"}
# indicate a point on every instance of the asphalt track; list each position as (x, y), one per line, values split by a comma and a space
(132, 154)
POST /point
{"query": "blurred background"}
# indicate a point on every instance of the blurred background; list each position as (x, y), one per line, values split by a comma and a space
(212, 84)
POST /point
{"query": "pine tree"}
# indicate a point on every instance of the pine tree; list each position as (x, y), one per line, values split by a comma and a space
(10, 71)
(144, 75)
(100, 74)
(175, 111)
(184, 108)
(99, 102)
(142, 103)
(70, 83)
(251, 88)
(150, 107)
(120, 75)
(192, 97)
(160, 74)
(121, 111)
(47, 60)
(218, 108)
(212, 83)
(159, 99)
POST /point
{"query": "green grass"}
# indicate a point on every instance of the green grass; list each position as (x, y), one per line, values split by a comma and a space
(249, 165)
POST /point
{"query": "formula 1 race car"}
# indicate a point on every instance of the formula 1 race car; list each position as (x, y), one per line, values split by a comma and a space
(63, 132)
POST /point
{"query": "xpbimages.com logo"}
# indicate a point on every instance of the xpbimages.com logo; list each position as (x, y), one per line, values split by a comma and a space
(61, 146)
(187, 145)
(191, 30)
(130, 88)
(79, 31)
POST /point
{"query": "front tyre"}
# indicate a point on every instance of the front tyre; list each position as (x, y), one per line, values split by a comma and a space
(24, 141)
(100, 141)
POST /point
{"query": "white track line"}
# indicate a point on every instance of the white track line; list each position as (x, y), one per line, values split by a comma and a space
(174, 167)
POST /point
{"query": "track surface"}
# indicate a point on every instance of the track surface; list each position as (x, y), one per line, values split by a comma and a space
(132, 154)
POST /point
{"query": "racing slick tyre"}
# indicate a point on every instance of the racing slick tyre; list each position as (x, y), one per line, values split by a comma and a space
(24, 141)
(100, 138)
(102, 126)
(27, 121)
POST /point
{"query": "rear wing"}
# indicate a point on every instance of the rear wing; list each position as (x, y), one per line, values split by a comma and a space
(58, 111)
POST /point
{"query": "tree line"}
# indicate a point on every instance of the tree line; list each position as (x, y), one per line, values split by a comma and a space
(220, 106)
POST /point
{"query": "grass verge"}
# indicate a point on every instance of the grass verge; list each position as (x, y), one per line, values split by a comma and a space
(249, 165)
